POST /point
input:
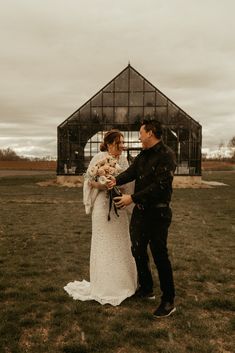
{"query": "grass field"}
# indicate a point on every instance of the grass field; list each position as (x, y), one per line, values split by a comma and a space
(45, 242)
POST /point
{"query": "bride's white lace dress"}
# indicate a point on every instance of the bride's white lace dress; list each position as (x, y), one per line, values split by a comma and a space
(113, 275)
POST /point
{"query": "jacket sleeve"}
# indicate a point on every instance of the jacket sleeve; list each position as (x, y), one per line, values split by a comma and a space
(161, 182)
(128, 175)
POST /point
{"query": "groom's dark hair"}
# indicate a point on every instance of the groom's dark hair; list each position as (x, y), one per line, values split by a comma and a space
(153, 125)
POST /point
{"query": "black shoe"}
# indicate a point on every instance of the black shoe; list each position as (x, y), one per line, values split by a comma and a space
(165, 309)
(140, 293)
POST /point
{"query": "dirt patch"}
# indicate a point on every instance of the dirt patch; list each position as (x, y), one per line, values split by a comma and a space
(56, 182)
(6, 173)
(28, 165)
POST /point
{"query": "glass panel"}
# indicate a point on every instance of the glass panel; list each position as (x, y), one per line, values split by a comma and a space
(135, 115)
(136, 99)
(109, 126)
(149, 99)
(121, 115)
(92, 148)
(108, 88)
(170, 138)
(85, 113)
(173, 112)
(121, 82)
(95, 148)
(136, 82)
(74, 119)
(108, 115)
(98, 137)
(73, 134)
(184, 153)
(97, 100)
(161, 114)
(149, 112)
(173, 145)
(108, 99)
(183, 120)
(183, 135)
(161, 100)
(62, 133)
(121, 99)
(96, 115)
(76, 152)
(148, 86)
(132, 139)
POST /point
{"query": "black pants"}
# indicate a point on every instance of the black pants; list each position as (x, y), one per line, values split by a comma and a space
(151, 227)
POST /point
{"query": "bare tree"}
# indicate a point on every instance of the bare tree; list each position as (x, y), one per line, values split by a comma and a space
(232, 142)
(10, 155)
(231, 145)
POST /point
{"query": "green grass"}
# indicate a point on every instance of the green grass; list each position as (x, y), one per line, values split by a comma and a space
(45, 243)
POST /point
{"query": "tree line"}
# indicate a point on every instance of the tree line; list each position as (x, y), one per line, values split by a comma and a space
(220, 156)
(9, 154)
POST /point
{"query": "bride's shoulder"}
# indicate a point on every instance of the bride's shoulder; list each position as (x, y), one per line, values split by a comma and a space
(98, 156)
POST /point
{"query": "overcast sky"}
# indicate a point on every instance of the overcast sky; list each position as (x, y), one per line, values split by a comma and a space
(56, 54)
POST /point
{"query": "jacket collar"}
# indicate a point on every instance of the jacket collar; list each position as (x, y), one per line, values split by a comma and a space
(155, 147)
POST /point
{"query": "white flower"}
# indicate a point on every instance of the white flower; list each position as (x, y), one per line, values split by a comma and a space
(93, 171)
(103, 180)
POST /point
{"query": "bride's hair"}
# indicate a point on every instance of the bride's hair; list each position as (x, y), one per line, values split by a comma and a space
(110, 136)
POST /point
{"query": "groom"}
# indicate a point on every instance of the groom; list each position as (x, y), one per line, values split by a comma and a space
(153, 171)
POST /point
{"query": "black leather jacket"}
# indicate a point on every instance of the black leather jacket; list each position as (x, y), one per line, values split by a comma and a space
(153, 171)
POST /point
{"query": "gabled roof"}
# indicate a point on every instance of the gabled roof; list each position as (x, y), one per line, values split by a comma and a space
(130, 69)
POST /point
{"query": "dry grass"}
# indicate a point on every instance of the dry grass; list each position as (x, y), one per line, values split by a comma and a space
(45, 243)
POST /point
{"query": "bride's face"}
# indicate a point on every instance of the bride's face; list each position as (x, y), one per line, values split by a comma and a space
(115, 148)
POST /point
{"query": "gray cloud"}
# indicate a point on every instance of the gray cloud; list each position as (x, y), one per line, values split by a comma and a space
(55, 55)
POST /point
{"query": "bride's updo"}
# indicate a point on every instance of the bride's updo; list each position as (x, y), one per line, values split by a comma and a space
(110, 137)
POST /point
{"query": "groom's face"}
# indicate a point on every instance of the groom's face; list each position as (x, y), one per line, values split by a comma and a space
(144, 137)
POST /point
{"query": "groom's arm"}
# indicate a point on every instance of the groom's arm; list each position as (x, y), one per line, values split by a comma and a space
(128, 175)
(123, 178)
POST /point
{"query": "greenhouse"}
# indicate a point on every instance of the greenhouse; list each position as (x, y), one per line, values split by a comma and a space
(122, 104)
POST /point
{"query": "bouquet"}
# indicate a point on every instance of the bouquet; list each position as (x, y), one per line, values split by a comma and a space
(102, 171)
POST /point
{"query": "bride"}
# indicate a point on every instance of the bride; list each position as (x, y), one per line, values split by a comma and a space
(113, 276)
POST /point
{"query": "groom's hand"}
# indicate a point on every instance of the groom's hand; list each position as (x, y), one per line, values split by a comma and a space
(123, 201)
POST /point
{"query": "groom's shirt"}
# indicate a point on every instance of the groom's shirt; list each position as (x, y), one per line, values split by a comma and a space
(153, 171)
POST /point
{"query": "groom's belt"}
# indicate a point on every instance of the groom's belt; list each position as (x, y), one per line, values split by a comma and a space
(156, 205)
